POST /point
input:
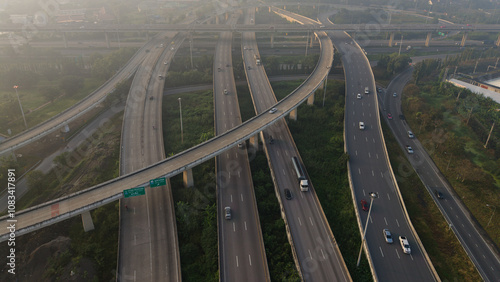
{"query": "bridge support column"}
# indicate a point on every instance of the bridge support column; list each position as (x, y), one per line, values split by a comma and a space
(65, 39)
(464, 38)
(216, 19)
(428, 39)
(312, 39)
(107, 39)
(147, 35)
(88, 224)
(498, 41)
(310, 100)
(272, 40)
(254, 142)
(391, 38)
(187, 178)
(293, 114)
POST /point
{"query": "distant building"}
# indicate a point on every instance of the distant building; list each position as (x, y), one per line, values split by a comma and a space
(70, 16)
(103, 15)
(21, 19)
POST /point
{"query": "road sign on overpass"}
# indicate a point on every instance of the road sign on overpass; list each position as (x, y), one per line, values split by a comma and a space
(157, 182)
(138, 191)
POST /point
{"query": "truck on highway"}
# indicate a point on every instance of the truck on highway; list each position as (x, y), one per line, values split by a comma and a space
(257, 60)
(301, 176)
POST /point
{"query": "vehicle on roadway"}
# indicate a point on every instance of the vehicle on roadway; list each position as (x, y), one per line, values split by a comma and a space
(387, 236)
(389, 116)
(409, 149)
(364, 205)
(241, 145)
(361, 125)
(395, 94)
(405, 245)
(226, 92)
(359, 96)
(273, 110)
(301, 176)
(227, 212)
(438, 194)
(410, 134)
(288, 194)
(367, 90)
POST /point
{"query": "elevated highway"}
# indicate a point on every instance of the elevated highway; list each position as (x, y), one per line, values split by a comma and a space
(77, 203)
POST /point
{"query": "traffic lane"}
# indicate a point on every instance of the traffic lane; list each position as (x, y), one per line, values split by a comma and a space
(465, 230)
(301, 221)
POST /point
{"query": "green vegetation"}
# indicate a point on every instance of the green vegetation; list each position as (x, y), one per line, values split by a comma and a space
(90, 255)
(446, 253)
(46, 89)
(195, 208)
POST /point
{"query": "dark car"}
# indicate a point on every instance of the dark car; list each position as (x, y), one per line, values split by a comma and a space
(402, 117)
(364, 205)
(288, 194)
(438, 194)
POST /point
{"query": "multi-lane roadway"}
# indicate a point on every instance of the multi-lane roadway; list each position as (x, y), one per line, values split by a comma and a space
(242, 256)
(481, 253)
(370, 171)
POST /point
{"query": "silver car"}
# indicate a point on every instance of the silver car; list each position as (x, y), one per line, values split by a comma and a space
(387, 236)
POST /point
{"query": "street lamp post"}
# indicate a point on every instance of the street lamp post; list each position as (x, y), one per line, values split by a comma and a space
(491, 217)
(373, 195)
(180, 113)
(20, 106)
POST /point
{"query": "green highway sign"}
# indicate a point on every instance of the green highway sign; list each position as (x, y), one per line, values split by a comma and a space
(134, 192)
(157, 182)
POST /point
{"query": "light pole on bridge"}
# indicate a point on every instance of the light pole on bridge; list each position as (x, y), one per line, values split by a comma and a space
(373, 195)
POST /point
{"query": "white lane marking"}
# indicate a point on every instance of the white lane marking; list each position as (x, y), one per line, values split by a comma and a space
(237, 263)
(397, 222)
(278, 152)
(246, 225)
(322, 253)
(411, 257)
(310, 219)
(388, 196)
(234, 227)
(366, 139)
(397, 253)
(451, 207)
(456, 216)
(381, 175)
(371, 220)
(385, 221)
(135, 239)
(364, 194)
(463, 225)
(231, 198)
(241, 197)
(373, 140)
(310, 255)
(381, 251)
(286, 152)
(373, 173)
(354, 137)
(376, 155)
(284, 173)
(469, 234)
(300, 222)
(359, 170)
(250, 259)
(369, 155)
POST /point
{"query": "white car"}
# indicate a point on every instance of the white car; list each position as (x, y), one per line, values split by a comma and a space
(405, 245)
(387, 236)
(226, 92)
(273, 110)
(395, 94)
(410, 134)
(409, 149)
(361, 125)
(358, 96)
(227, 211)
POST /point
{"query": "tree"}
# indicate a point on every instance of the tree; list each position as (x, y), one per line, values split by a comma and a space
(49, 92)
(34, 179)
(71, 84)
